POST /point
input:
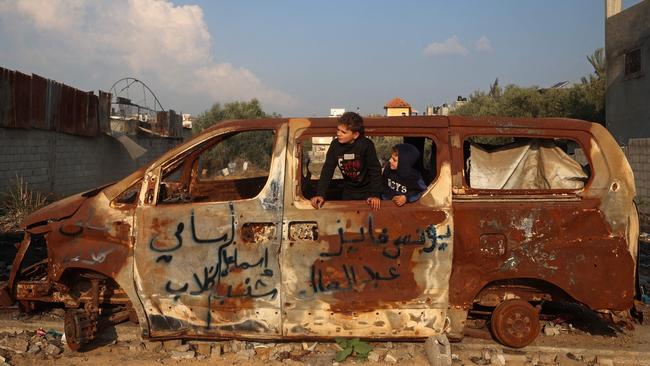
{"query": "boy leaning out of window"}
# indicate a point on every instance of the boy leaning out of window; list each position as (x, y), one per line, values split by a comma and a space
(402, 181)
(356, 157)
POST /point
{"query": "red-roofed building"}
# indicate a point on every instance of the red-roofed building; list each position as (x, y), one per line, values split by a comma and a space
(397, 107)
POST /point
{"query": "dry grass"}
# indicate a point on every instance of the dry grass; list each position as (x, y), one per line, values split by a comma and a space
(18, 202)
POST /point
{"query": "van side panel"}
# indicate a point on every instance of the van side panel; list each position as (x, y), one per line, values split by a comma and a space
(562, 243)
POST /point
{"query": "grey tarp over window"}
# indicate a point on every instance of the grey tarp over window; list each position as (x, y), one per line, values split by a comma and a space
(534, 164)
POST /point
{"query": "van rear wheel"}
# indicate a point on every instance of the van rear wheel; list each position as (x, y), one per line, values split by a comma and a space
(515, 323)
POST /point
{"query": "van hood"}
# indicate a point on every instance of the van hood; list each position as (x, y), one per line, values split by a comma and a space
(58, 210)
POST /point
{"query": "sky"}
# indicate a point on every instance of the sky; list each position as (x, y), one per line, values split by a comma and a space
(301, 58)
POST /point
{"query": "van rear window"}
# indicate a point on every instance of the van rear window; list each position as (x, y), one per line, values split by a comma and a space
(524, 163)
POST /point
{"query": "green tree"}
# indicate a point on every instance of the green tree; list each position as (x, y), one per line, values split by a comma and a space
(233, 110)
(252, 146)
(583, 101)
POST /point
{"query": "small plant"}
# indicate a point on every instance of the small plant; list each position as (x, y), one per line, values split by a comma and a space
(18, 202)
(353, 346)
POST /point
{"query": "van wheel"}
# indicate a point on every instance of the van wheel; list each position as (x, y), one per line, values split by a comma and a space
(515, 323)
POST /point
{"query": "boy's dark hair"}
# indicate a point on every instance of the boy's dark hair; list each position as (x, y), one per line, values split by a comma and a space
(353, 121)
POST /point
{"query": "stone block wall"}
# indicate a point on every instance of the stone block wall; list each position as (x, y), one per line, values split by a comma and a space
(62, 164)
(638, 153)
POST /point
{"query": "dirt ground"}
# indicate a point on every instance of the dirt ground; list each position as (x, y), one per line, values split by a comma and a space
(584, 340)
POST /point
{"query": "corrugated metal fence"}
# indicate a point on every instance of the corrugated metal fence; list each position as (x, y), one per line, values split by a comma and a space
(35, 102)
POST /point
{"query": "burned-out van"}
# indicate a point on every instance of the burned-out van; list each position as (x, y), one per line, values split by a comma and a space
(217, 238)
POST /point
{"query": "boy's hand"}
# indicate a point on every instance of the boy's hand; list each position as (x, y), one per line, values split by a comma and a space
(374, 202)
(399, 200)
(317, 201)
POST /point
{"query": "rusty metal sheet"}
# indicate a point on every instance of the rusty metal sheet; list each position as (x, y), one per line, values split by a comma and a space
(80, 112)
(66, 110)
(161, 125)
(104, 111)
(52, 109)
(39, 103)
(92, 119)
(22, 99)
(7, 117)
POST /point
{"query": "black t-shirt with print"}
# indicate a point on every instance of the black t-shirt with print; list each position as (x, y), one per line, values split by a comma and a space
(359, 166)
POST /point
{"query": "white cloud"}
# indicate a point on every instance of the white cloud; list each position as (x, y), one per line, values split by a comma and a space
(483, 44)
(167, 46)
(451, 46)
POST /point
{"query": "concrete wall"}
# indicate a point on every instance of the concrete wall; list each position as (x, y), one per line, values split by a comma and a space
(628, 98)
(63, 164)
(638, 153)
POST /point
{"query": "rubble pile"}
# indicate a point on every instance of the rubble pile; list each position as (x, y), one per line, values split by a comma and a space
(39, 343)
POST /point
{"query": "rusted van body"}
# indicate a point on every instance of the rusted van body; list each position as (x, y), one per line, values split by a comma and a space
(210, 242)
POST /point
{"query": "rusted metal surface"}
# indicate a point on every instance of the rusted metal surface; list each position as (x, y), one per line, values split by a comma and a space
(38, 103)
(22, 96)
(255, 260)
(168, 123)
(31, 101)
(564, 238)
(7, 117)
(515, 323)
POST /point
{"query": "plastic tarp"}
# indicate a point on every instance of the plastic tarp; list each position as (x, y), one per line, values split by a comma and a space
(533, 164)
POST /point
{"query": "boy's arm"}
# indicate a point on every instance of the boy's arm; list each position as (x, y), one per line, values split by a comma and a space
(327, 172)
(374, 170)
(415, 195)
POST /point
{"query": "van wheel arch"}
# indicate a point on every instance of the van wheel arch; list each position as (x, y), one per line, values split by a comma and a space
(528, 289)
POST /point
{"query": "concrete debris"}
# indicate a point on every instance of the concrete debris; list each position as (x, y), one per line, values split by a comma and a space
(154, 346)
(216, 350)
(182, 348)
(245, 354)
(53, 350)
(236, 345)
(14, 344)
(177, 355)
(203, 348)
(58, 312)
(171, 344)
(552, 329)
(373, 356)
(390, 358)
(438, 350)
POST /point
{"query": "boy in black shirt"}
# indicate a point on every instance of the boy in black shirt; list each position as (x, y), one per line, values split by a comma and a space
(402, 182)
(356, 157)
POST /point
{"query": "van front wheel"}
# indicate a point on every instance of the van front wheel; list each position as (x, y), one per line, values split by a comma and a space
(515, 323)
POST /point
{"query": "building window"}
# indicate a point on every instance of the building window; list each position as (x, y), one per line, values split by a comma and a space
(633, 62)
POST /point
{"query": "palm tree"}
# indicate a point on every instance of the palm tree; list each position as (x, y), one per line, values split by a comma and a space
(597, 61)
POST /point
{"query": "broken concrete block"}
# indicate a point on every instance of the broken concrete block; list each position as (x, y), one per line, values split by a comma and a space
(390, 358)
(182, 348)
(52, 350)
(203, 348)
(438, 350)
(154, 346)
(515, 358)
(171, 344)
(14, 344)
(551, 329)
(373, 356)
(176, 355)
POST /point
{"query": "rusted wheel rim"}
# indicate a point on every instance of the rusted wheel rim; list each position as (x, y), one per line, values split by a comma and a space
(515, 323)
(71, 331)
